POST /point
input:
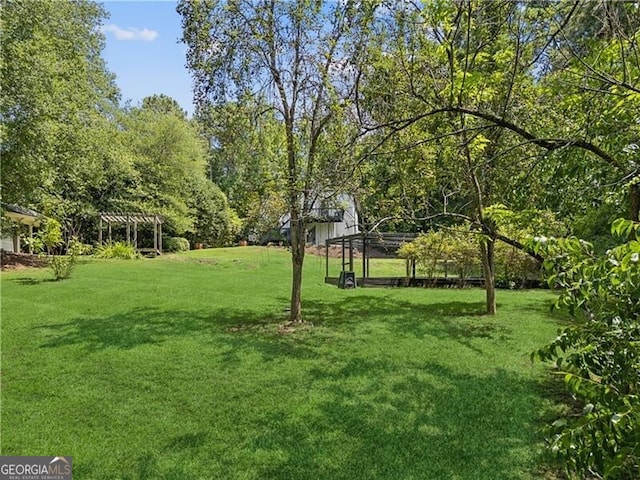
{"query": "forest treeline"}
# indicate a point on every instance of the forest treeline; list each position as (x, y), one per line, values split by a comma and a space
(418, 111)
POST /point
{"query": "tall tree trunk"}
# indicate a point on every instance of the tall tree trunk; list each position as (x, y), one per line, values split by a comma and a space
(634, 202)
(298, 241)
(488, 256)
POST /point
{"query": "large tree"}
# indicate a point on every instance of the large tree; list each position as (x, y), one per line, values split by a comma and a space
(301, 58)
(507, 91)
(169, 157)
(57, 101)
(440, 57)
(246, 146)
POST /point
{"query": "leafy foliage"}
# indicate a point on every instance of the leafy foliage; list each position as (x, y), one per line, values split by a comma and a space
(599, 353)
(120, 250)
(457, 250)
(175, 244)
(56, 102)
(48, 238)
(63, 265)
(215, 223)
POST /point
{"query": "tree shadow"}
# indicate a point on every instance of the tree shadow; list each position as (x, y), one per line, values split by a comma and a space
(233, 331)
(32, 281)
(361, 417)
(438, 424)
(459, 321)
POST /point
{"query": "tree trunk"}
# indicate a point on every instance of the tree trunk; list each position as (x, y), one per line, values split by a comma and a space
(298, 241)
(487, 254)
(634, 202)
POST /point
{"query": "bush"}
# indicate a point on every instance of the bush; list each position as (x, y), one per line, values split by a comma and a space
(85, 249)
(175, 244)
(598, 354)
(62, 265)
(458, 247)
(426, 251)
(514, 267)
(117, 250)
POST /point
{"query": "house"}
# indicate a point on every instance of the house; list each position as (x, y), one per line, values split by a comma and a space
(328, 218)
(20, 217)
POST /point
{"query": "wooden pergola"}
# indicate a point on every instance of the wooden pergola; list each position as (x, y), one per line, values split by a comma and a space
(132, 220)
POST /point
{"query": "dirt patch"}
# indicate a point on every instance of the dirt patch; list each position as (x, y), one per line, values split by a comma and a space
(15, 261)
(286, 328)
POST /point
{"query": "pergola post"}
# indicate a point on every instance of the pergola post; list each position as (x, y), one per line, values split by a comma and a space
(155, 233)
(30, 239)
(135, 235)
(100, 231)
(128, 231)
(159, 234)
(109, 232)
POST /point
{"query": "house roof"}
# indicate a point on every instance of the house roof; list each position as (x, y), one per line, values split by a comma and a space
(12, 207)
(22, 214)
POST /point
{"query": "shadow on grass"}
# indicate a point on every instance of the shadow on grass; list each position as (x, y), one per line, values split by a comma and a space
(459, 321)
(33, 281)
(454, 426)
(147, 325)
(352, 417)
(144, 326)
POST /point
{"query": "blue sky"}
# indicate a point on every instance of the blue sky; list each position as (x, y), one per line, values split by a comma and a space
(144, 52)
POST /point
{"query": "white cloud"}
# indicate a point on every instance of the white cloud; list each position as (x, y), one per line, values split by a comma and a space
(130, 33)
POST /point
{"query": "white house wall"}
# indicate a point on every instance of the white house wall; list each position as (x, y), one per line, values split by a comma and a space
(6, 244)
(348, 226)
(327, 230)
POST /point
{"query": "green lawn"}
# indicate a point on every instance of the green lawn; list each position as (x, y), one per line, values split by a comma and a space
(177, 368)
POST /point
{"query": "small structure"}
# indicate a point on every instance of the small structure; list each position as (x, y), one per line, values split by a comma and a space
(132, 220)
(21, 216)
(378, 245)
(366, 246)
(383, 245)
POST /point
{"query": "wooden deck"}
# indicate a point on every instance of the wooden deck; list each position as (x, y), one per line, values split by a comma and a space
(440, 282)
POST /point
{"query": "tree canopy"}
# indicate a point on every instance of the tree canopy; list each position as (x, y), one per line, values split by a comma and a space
(69, 149)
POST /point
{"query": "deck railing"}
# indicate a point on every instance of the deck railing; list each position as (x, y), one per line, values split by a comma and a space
(326, 215)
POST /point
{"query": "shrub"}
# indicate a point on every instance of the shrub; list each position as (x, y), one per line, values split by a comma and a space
(176, 244)
(62, 265)
(457, 246)
(598, 354)
(426, 250)
(85, 249)
(47, 241)
(514, 267)
(117, 250)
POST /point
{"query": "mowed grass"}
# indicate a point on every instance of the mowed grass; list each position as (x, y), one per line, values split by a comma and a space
(180, 368)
